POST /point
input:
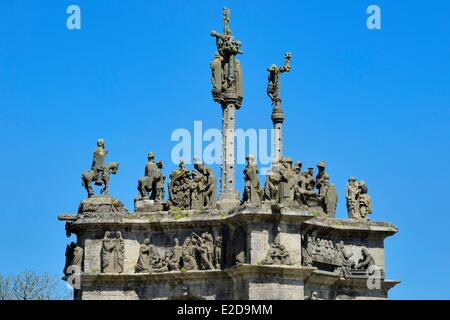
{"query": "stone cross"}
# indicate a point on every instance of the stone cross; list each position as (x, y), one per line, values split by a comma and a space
(226, 79)
(273, 91)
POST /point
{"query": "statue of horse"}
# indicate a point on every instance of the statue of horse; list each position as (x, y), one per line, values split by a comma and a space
(88, 176)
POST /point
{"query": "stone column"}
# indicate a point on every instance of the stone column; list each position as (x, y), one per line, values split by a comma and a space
(229, 197)
(277, 119)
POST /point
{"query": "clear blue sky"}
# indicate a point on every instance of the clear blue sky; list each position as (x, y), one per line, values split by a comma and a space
(373, 104)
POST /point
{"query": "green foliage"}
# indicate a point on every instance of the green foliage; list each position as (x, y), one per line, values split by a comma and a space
(316, 213)
(181, 215)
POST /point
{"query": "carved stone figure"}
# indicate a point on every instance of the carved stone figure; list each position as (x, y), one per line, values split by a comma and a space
(324, 254)
(299, 178)
(147, 183)
(189, 254)
(216, 75)
(74, 258)
(226, 74)
(206, 251)
(359, 203)
(366, 260)
(364, 201)
(160, 181)
(218, 252)
(175, 256)
(307, 252)
(325, 199)
(252, 193)
(287, 181)
(158, 262)
(344, 256)
(180, 187)
(277, 254)
(273, 86)
(192, 190)
(143, 262)
(198, 252)
(272, 182)
(310, 182)
(329, 196)
(351, 194)
(204, 186)
(320, 176)
(100, 173)
(209, 193)
(112, 254)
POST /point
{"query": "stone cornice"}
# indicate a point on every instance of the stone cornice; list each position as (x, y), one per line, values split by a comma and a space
(351, 228)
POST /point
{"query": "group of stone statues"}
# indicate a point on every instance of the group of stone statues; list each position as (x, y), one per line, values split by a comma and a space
(359, 203)
(203, 252)
(277, 253)
(226, 72)
(287, 184)
(187, 190)
(197, 253)
(151, 185)
(192, 190)
(338, 256)
(151, 260)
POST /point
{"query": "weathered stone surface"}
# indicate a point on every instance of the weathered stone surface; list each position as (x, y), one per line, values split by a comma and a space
(99, 205)
(245, 237)
(147, 205)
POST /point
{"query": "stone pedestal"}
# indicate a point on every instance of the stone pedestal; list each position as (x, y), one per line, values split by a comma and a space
(104, 204)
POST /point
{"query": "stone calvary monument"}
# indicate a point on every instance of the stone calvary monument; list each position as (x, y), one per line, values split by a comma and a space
(280, 240)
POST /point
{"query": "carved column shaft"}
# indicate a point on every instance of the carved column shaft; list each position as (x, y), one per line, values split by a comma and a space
(228, 150)
(277, 119)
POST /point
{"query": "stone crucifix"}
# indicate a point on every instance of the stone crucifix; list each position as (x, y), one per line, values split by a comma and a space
(226, 78)
(273, 91)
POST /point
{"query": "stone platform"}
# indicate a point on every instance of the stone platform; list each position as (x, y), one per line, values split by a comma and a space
(247, 237)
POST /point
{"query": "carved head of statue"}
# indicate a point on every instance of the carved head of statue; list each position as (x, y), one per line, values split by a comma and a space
(364, 252)
(352, 181)
(250, 159)
(321, 165)
(101, 142)
(297, 167)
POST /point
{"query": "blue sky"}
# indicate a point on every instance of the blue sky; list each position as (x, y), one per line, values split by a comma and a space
(373, 104)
